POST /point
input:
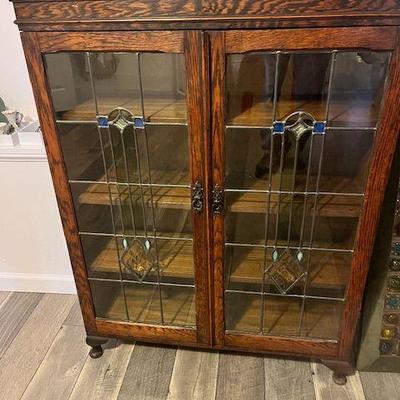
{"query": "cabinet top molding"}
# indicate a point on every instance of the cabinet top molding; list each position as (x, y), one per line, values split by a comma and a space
(81, 15)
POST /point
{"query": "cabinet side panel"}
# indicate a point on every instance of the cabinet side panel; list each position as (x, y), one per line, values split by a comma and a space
(384, 149)
(46, 116)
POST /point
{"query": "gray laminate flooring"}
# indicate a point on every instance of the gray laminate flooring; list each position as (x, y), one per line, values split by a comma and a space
(43, 356)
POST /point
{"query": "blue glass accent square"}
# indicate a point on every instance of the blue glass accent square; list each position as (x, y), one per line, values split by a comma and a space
(102, 121)
(138, 122)
(278, 127)
(319, 127)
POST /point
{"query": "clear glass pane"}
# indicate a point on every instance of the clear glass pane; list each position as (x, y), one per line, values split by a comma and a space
(322, 319)
(329, 273)
(69, 83)
(357, 88)
(81, 148)
(302, 84)
(101, 256)
(242, 312)
(108, 299)
(179, 308)
(282, 316)
(244, 268)
(250, 88)
(295, 181)
(143, 302)
(92, 206)
(122, 124)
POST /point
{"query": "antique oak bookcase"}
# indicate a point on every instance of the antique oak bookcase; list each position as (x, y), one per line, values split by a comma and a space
(219, 166)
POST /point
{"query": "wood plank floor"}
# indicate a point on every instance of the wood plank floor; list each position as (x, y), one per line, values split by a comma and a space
(43, 355)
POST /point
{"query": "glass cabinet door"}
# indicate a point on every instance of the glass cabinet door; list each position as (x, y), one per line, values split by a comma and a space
(123, 128)
(299, 128)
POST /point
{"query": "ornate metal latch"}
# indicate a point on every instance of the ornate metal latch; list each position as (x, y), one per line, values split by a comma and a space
(197, 197)
(217, 200)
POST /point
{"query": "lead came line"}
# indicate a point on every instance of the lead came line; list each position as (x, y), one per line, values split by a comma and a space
(321, 156)
(108, 185)
(266, 227)
(150, 186)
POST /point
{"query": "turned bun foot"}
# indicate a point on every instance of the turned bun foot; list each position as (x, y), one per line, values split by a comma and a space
(95, 343)
(339, 379)
(96, 352)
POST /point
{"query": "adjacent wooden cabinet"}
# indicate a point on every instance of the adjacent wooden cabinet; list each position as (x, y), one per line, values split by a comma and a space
(219, 165)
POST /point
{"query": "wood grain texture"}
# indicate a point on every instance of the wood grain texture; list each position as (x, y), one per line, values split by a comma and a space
(102, 9)
(380, 385)
(279, 7)
(240, 377)
(74, 318)
(153, 333)
(13, 314)
(165, 41)
(148, 374)
(194, 376)
(381, 161)
(375, 38)
(56, 376)
(214, 23)
(200, 14)
(326, 389)
(217, 46)
(280, 345)
(277, 372)
(198, 105)
(101, 378)
(44, 106)
(28, 349)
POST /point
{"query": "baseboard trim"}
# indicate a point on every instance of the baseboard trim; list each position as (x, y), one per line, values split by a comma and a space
(42, 283)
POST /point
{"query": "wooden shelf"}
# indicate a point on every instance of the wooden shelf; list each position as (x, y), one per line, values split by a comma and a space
(158, 110)
(143, 304)
(327, 270)
(175, 259)
(260, 112)
(282, 316)
(244, 202)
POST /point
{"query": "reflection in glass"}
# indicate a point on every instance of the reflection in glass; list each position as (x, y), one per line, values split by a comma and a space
(122, 125)
(305, 126)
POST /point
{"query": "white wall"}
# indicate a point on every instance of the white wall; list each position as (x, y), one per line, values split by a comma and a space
(33, 252)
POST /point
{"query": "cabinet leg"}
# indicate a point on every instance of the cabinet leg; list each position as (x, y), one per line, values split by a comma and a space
(341, 370)
(95, 343)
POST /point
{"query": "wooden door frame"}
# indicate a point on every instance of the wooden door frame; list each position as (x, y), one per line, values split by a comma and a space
(241, 41)
(191, 44)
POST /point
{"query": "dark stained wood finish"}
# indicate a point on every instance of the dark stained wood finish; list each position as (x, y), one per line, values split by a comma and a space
(374, 38)
(197, 72)
(147, 333)
(281, 345)
(201, 14)
(384, 149)
(341, 370)
(218, 174)
(166, 41)
(220, 23)
(205, 66)
(30, 41)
